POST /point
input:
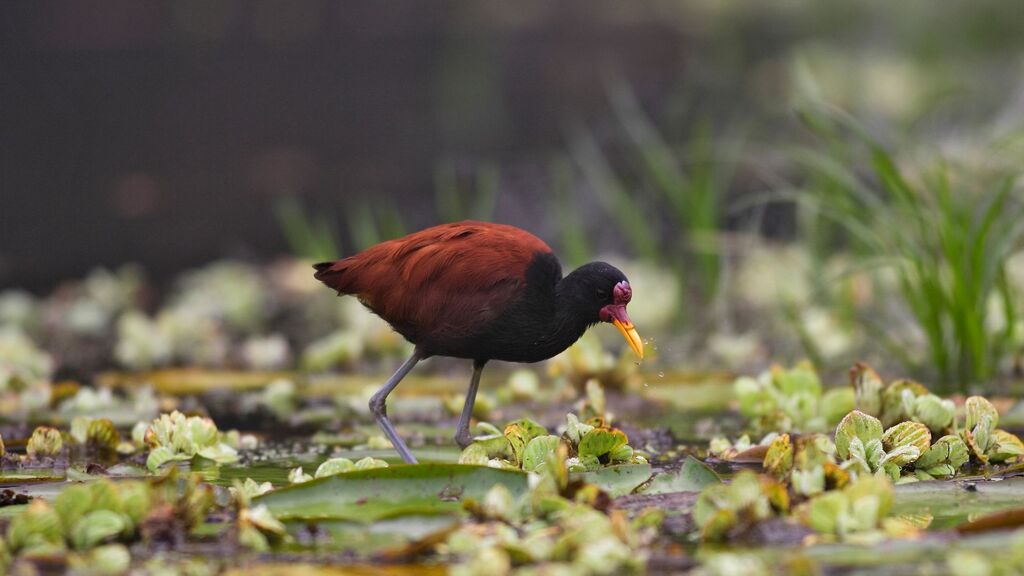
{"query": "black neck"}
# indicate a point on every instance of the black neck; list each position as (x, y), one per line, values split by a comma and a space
(571, 315)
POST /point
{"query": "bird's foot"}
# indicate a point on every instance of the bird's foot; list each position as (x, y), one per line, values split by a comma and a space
(463, 438)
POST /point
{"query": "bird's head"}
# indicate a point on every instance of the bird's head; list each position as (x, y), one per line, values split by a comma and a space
(609, 292)
(615, 312)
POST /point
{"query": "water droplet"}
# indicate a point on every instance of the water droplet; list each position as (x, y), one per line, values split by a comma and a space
(661, 374)
(646, 385)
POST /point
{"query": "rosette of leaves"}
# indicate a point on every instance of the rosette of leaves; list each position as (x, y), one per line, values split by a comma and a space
(506, 448)
(526, 445)
(985, 442)
(724, 509)
(82, 517)
(864, 448)
(858, 508)
(554, 528)
(244, 492)
(97, 434)
(103, 511)
(45, 441)
(725, 449)
(597, 444)
(175, 438)
(943, 459)
(806, 463)
(258, 529)
(786, 400)
(900, 400)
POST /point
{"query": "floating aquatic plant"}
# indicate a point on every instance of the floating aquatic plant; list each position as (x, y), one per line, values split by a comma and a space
(25, 373)
(97, 434)
(525, 445)
(85, 517)
(45, 441)
(807, 463)
(334, 466)
(985, 442)
(900, 400)
(175, 438)
(864, 448)
(857, 508)
(258, 529)
(786, 400)
(943, 459)
(554, 527)
(244, 492)
(722, 509)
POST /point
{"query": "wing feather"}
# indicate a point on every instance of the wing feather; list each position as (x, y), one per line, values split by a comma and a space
(441, 282)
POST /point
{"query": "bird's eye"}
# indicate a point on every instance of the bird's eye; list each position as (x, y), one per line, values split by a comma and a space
(602, 293)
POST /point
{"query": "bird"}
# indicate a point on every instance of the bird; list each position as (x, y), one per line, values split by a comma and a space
(478, 291)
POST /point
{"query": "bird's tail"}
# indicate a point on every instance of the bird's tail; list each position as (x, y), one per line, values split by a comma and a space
(333, 275)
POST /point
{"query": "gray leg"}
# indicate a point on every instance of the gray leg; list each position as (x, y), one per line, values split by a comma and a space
(379, 410)
(462, 435)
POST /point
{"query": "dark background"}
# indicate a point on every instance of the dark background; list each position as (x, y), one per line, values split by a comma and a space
(164, 132)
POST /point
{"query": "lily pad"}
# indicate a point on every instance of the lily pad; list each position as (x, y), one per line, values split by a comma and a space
(692, 476)
(375, 494)
(617, 480)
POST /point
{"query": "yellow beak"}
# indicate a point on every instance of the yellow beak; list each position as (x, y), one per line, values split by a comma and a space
(629, 333)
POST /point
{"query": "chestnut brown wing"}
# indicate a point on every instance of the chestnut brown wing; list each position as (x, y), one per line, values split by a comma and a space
(444, 282)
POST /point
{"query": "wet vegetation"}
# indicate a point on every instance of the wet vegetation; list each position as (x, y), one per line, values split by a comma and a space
(825, 243)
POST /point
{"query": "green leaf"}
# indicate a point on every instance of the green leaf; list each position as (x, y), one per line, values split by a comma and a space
(220, 453)
(370, 495)
(162, 455)
(910, 439)
(96, 527)
(836, 403)
(859, 425)
(536, 453)
(601, 441)
(692, 476)
(617, 480)
(976, 408)
(334, 466)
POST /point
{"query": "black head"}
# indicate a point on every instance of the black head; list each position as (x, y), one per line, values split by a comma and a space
(602, 293)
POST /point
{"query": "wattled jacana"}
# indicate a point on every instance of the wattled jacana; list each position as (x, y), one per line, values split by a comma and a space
(478, 291)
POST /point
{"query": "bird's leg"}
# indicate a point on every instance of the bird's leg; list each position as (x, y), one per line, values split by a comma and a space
(462, 435)
(379, 409)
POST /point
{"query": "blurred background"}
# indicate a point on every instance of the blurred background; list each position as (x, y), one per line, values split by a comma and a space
(784, 180)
